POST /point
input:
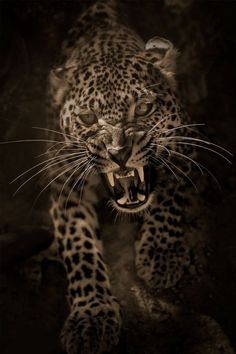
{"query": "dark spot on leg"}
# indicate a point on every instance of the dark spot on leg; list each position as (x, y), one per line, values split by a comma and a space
(88, 289)
(99, 276)
(88, 245)
(87, 271)
(75, 258)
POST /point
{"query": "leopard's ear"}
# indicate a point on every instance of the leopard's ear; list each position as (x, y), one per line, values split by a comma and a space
(59, 84)
(163, 54)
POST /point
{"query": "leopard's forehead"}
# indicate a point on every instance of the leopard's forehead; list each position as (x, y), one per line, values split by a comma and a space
(110, 85)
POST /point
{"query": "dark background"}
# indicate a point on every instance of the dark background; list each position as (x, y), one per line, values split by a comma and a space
(31, 33)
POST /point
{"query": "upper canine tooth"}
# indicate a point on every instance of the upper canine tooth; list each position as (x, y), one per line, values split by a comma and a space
(110, 177)
(140, 173)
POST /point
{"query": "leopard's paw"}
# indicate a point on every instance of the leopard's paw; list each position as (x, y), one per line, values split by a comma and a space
(92, 330)
(162, 267)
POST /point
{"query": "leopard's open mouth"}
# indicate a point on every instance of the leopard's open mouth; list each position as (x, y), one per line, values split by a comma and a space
(130, 188)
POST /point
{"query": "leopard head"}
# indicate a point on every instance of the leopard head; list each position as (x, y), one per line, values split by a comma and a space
(118, 106)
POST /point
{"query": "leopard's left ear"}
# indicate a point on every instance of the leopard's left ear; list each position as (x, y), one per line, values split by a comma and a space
(163, 54)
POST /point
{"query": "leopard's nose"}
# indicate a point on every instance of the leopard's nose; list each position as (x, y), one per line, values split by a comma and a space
(120, 155)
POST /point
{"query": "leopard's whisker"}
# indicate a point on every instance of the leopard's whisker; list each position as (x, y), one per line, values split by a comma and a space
(57, 132)
(83, 162)
(81, 185)
(182, 155)
(159, 159)
(182, 126)
(83, 175)
(195, 139)
(76, 182)
(161, 146)
(186, 176)
(52, 159)
(197, 164)
(201, 167)
(212, 176)
(203, 147)
(67, 147)
(49, 150)
(40, 171)
(153, 85)
(31, 141)
(159, 122)
(77, 159)
(53, 180)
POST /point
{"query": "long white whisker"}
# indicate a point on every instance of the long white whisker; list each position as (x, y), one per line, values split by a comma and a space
(89, 169)
(67, 147)
(54, 179)
(31, 141)
(49, 150)
(212, 176)
(199, 166)
(82, 151)
(158, 123)
(195, 139)
(84, 161)
(189, 179)
(55, 131)
(205, 148)
(153, 85)
(182, 126)
(159, 159)
(85, 171)
(77, 180)
(161, 146)
(55, 159)
(40, 171)
(184, 156)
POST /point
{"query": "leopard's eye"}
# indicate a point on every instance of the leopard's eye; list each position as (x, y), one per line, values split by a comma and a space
(87, 119)
(143, 108)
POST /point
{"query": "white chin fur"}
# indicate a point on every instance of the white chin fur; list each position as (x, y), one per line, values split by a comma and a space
(134, 210)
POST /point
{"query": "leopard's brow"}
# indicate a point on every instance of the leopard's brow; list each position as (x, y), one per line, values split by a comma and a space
(149, 94)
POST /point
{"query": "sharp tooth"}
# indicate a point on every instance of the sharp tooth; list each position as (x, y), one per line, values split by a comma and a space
(110, 177)
(122, 200)
(132, 173)
(141, 197)
(141, 173)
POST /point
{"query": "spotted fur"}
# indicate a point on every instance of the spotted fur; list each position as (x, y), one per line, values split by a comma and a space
(106, 69)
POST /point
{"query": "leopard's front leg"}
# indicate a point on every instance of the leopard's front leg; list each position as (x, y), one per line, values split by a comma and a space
(94, 322)
(162, 253)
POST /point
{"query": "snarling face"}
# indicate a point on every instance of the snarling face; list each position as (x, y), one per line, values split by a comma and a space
(118, 110)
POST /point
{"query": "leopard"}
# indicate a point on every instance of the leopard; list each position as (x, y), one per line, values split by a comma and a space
(126, 142)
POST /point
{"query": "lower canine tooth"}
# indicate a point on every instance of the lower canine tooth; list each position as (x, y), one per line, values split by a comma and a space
(110, 177)
(122, 200)
(141, 173)
(141, 197)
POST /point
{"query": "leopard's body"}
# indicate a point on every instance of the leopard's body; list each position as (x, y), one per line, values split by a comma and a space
(105, 73)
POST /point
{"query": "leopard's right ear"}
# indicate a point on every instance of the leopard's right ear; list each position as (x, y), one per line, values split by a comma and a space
(59, 84)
